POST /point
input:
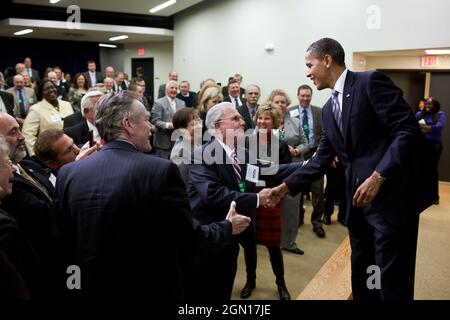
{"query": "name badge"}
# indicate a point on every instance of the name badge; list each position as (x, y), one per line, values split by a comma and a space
(252, 173)
(294, 113)
(55, 117)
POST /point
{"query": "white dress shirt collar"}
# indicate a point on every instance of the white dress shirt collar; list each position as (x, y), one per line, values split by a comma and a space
(339, 86)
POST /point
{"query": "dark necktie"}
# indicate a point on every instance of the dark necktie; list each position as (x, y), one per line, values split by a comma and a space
(305, 124)
(252, 113)
(336, 110)
(236, 102)
(22, 104)
(236, 166)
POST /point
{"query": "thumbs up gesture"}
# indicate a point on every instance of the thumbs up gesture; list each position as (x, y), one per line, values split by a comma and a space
(238, 222)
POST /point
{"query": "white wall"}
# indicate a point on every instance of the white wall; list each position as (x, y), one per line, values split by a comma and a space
(162, 54)
(220, 37)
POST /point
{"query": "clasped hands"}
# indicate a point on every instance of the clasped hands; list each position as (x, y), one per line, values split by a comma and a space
(269, 198)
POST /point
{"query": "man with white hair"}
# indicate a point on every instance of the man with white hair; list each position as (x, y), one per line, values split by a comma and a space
(23, 98)
(220, 173)
(86, 130)
(109, 72)
(109, 84)
(162, 114)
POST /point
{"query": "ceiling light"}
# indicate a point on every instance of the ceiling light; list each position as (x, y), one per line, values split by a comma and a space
(106, 45)
(54, 1)
(162, 6)
(118, 38)
(21, 32)
(437, 51)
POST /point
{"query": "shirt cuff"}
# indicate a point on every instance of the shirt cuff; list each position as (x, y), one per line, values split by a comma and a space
(257, 201)
(167, 125)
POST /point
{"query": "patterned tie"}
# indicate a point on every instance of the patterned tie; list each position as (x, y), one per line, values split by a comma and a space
(236, 166)
(22, 104)
(236, 102)
(336, 110)
(252, 113)
(305, 123)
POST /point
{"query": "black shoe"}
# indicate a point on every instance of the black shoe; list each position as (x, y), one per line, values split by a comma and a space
(247, 290)
(283, 292)
(326, 220)
(319, 232)
(296, 251)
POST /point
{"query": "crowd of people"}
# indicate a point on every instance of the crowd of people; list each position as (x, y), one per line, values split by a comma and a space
(142, 194)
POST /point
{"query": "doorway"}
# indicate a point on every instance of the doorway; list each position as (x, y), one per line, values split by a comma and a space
(145, 66)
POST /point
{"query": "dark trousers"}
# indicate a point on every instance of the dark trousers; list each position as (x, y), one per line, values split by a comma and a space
(317, 198)
(432, 152)
(392, 248)
(211, 275)
(335, 191)
(247, 239)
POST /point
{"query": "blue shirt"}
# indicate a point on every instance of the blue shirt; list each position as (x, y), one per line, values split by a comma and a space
(436, 127)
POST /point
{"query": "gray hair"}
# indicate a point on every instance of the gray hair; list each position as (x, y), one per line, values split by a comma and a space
(110, 111)
(171, 82)
(253, 86)
(215, 114)
(86, 102)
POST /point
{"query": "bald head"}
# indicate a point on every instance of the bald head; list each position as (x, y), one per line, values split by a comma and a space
(19, 82)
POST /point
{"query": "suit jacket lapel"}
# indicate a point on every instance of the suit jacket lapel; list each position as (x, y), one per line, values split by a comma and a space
(347, 102)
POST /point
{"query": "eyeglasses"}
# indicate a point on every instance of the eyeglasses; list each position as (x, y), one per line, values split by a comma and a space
(236, 118)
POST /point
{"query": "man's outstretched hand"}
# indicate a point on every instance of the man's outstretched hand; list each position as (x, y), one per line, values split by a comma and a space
(267, 200)
(238, 221)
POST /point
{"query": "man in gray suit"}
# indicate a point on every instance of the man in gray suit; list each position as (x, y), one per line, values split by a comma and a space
(23, 98)
(162, 114)
(311, 122)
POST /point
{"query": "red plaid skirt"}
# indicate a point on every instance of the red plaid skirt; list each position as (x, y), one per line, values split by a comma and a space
(268, 226)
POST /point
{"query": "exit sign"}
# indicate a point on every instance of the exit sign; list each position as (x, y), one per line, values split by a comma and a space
(430, 61)
(141, 52)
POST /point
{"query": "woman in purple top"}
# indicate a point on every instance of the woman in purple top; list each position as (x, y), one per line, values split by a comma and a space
(432, 122)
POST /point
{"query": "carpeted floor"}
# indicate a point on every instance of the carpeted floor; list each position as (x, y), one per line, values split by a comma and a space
(433, 256)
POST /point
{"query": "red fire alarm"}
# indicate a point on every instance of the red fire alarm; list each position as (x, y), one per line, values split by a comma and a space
(141, 52)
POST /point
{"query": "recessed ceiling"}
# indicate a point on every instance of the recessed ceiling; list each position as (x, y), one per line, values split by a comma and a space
(404, 53)
(57, 30)
(131, 6)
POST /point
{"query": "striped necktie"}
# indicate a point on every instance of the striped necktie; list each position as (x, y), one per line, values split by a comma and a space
(336, 109)
(236, 166)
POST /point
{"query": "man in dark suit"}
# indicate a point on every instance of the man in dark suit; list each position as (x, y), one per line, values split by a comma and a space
(92, 76)
(30, 204)
(311, 122)
(250, 105)
(110, 208)
(233, 94)
(7, 101)
(85, 130)
(33, 73)
(219, 175)
(237, 77)
(189, 97)
(372, 130)
(79, 120)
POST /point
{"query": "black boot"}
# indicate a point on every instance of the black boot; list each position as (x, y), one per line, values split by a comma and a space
(283, 292)
(248, 288)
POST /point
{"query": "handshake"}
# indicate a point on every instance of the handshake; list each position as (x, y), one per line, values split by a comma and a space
(269, 198)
